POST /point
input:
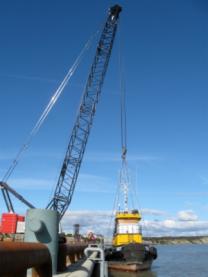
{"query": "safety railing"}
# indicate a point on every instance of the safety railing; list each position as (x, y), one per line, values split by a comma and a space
(94, 257)
(99, 259)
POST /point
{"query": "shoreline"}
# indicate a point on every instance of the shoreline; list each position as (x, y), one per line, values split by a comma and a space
(178, 240)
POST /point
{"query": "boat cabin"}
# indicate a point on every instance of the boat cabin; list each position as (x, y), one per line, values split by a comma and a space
(127, 229)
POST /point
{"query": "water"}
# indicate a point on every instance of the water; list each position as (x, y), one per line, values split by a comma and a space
(176, 261)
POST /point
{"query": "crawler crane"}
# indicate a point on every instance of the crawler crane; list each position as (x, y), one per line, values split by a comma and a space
(73, 158)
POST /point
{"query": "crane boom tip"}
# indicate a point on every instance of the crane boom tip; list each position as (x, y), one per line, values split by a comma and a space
(115, 10)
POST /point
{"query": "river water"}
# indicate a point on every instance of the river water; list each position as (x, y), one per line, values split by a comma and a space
(176, 261)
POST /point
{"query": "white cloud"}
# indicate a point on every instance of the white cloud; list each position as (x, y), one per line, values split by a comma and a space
(26, 77)
(195, 194)
(102, 222)
(91, 156)
(153, 212)
(31, 183)
(187, 215)
(116, 157)
(94, 183)
(96, 221)
(204, 180)
(85, 183)
(6, 156)
(171, 227)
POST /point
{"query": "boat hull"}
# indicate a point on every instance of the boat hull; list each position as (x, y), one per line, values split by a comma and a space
(131, 267)
(131, 257)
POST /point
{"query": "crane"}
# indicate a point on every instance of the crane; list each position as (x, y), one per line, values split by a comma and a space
(73, 158)
(5, 191)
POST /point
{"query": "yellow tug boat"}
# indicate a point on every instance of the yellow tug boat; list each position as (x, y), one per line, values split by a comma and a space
(129, 252)
(127, 228)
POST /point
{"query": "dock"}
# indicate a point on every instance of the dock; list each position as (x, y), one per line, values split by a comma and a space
(34, 260)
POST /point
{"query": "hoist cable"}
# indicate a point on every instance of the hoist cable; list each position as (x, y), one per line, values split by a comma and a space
(122, 103)
(124, 176)
(48, 108)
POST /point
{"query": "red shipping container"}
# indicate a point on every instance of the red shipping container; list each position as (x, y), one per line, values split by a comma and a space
(9, 223)
(9, 216)
(20, 218)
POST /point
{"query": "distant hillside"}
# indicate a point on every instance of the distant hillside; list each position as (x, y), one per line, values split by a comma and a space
(178, 240)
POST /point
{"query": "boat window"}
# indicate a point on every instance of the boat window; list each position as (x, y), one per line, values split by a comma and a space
(128, 228)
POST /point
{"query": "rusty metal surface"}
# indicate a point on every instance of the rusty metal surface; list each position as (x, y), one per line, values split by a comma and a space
(73, 248)
(68, 254)
(16, 257)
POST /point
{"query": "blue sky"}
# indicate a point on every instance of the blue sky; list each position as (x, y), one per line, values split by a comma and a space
(165, 49)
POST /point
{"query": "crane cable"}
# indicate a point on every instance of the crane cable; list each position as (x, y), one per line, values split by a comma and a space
(124, 176)
(48, 108)
(123, 113)
(123, 134)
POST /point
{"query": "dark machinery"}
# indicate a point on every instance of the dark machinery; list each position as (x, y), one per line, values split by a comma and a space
(70, 169)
